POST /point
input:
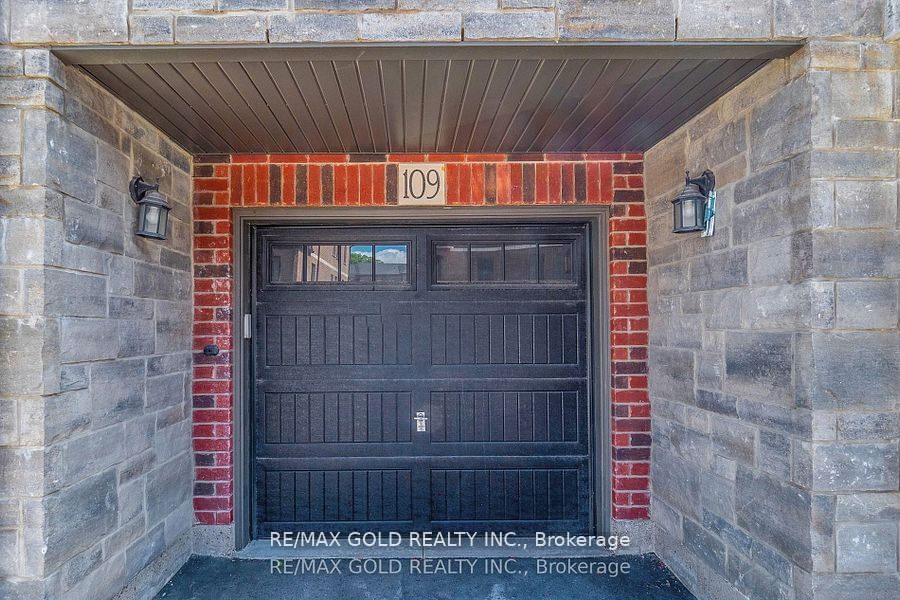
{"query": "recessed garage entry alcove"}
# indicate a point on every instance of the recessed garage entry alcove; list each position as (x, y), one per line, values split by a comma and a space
(491, 334)
(490, 362)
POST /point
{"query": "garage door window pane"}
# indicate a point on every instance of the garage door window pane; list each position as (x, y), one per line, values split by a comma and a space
(392, 264)
(325, 263)
(556, 262)
(451, 263)
(521, 262)
(286, 264)
(360, 268)
(487, 262)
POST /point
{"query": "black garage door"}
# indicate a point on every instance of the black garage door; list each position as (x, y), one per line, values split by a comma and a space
(428, 378)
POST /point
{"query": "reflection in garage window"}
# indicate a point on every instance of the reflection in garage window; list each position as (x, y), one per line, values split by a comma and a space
(509, 262)
(340, 263)
(286, 264)
(451, 263)
(556, 262)
(487, 262)
(326, 264)
(392, 264)
(521, 262)
(360, 263)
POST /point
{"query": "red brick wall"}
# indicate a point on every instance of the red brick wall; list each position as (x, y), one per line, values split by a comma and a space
(222, 182)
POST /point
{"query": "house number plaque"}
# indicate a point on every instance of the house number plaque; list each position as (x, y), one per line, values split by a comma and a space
(421, 184)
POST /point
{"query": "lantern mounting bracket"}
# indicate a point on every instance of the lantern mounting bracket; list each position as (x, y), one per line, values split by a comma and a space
(706, 182)
(138, 188)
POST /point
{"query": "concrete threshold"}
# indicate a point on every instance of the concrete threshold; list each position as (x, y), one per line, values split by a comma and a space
(524, 548)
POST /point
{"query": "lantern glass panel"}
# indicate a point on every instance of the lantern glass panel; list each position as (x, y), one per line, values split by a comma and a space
(163, 222)
(688, 213)
(699, 211)
(142, 219)
(151, 218)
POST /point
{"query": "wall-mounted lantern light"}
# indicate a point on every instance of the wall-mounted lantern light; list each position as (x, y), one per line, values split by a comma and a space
(153, 210)
(690, 205)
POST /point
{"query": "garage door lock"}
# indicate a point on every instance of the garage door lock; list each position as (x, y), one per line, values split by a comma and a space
(420, 420)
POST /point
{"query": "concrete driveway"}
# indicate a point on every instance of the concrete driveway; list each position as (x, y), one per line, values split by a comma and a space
(621, 578)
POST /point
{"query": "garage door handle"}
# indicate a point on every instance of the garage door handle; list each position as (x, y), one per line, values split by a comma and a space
(420, 420)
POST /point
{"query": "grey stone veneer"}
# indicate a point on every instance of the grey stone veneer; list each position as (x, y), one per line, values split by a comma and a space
(775, 352)
(95, 461)
(282, 21)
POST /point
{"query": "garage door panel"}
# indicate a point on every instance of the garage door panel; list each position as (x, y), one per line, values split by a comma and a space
(505, 338)
(517, 417)
(327, 451)
(552, 499)
(490, 300)
(505, 494)
(307, 496)
(489, 372)
(337, 417)
(337, 339)
(480, 306)
(285, 303)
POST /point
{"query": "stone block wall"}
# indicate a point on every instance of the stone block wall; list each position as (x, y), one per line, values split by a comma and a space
(95, 458)
(848, 370)
(223, 182)
(774, 346)
(342, 21)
